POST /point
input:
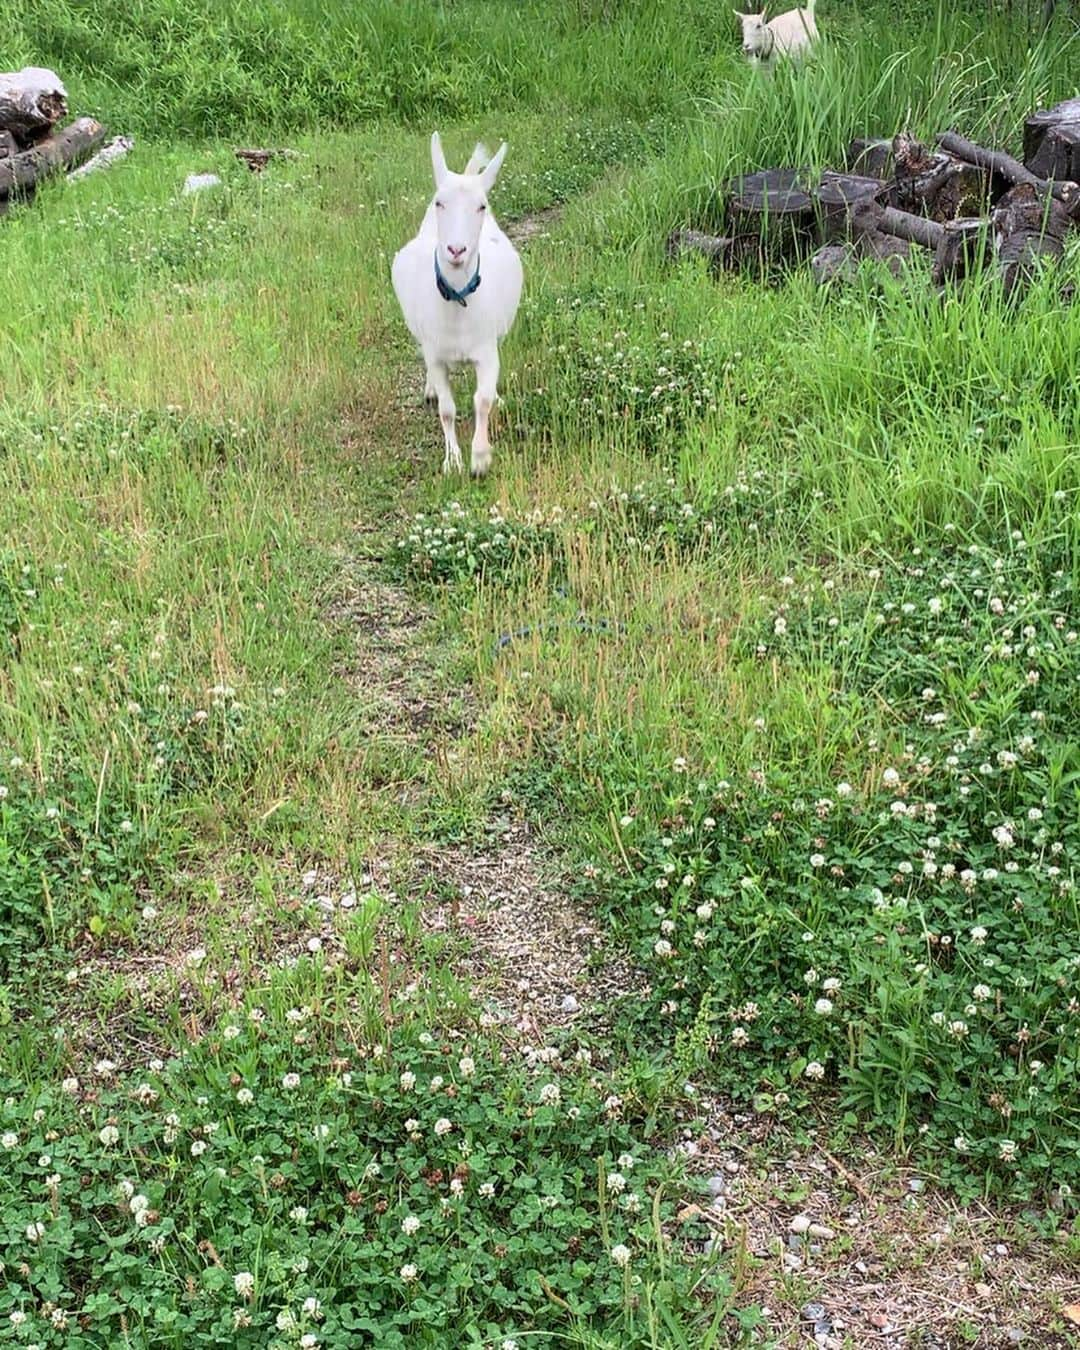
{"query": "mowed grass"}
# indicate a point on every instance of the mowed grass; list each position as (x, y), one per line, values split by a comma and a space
(733, 535)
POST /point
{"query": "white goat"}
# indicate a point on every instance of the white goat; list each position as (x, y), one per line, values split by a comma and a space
(791, 34)
(437, 278)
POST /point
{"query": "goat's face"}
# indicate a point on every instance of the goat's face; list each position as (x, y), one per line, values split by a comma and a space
(460, 208)
(755, 38)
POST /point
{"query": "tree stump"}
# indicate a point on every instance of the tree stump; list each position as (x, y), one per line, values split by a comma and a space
(8, 145)
(20, 174)
(32, 101)
(1058, 156)
(773, 211)
(936, 184)
(1039, 123)
(837, 194)
(872, 158)
(1028, 225)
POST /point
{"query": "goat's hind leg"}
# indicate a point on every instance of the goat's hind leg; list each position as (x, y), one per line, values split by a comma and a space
(487, 380)
(439, 380)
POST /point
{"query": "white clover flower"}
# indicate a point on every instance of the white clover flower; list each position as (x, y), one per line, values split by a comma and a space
(890, 778)
(245, 1096)
(739, 1036)
(35, 1232)
(616, 1182)
(978, 935)
(705, 911)
(109, 1135)
(550, 1094)
(436, 1083)
(410, 1224)
(407, 1081)
(198, 1148)
(823, 1006)
(620, 1254)
(244, 1283)
(9, 1140)
(663, 948)
(817, 859)
(137, 1203)
(290, 1081)
(443, 1126)
(309, 1341)
(17, 1318)
(958, 1028)
(298, 1214)
(408, 1272)
(411, 1124)
(981, 993)
(509, 1344)
(69, 1086)
(811, 976)
(467, 1066)
(844, 789)
(1008, 1150)
(814, 1071)
(831, 985)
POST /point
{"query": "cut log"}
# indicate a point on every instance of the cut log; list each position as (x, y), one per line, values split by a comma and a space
(1058, 157)
(8, 145)
(870, 157)
(834, 262)
(963, 248)
(32, 101)
(837, 194)
(21, 173)
(997, 161)
(937, 184)
(1028, 226)
(773, 211)
(718, 250)
(1039, 123)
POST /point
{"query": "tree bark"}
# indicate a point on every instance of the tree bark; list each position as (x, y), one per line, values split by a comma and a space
(963, 247)
(871, 157)
(718, 249)
(21, 173)
(869, 216)
(937, 184)
(837, 194)
(1039, 123)
(1058, 157)
(1028, 226)
(771, 212)
(32, 101)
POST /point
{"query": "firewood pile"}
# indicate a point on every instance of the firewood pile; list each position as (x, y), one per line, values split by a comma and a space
(35, 139)
(965, 204)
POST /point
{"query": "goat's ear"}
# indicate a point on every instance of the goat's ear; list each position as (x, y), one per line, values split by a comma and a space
(438, 159)
(491, 169)
(477, 159)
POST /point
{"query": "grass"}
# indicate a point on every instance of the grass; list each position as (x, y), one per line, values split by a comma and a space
(259, 662)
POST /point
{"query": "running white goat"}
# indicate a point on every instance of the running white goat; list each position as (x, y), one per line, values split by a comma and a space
(437, 278)
(791, 34)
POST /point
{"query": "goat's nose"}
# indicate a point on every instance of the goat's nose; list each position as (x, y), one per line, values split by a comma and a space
(455, 250)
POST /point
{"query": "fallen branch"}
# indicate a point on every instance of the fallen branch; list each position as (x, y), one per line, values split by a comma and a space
(257, 160)
(108, 154)
(717, 248)
(20, 174)
(997, 161)
(902, 224)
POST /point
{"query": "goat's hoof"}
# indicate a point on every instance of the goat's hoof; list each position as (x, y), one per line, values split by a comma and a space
(452, 464)
(431, 398)
(481, 462)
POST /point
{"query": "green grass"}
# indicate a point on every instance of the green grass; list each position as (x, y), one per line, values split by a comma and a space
(221, 757)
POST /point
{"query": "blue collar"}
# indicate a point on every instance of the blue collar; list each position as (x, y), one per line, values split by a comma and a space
(447, 291)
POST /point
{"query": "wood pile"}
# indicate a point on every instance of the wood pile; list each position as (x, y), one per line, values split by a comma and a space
(962, 202)
(34, 142)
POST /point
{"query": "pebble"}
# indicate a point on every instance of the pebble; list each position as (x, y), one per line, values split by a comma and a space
(731, 1167)
(984, 1291)
(916, 1184)
(1014, 1335)
(718, 1205)
(801, 1223)
(199, 182)
(818, 1230)
(717, 1185)
(570, 1004)
(813, 1312)
(862, 1267)
(1001, 1250)
(792, 1262)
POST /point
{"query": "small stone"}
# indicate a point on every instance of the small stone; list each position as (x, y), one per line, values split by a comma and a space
(717, 1185)
(569, 1004)
(1014, 1335)
(916, 1184)
(199, 182)
(792, 1262)
(795, 1242)
(984, 1291)
(801, 1224)
(862, 1267)
(813, 1312)
(1001, 1250)
(818, 1230)
(731, 1167)
(718, 1204)
(880, 1321)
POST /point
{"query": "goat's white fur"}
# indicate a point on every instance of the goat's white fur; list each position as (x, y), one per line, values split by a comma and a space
(791, 34)
(462, 232)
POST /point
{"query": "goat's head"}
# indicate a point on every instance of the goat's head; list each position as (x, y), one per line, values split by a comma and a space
(461, 204)
(755, 34)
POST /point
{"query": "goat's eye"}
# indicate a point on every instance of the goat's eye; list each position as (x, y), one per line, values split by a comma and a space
(439, 205)
(482, 206)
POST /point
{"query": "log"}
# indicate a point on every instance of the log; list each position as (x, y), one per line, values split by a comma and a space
(1028, 226)
(871, 216)
(1039, 123)
(257, 160)
(772, 210)
(32, 101)
(718, 249)
(937, 184)
(837, 194)
(871, 157)
(117, 148)
(997, 161)
(8, 145)
(834, 262)
(21, 173)
(963, 248)
(1058, 157)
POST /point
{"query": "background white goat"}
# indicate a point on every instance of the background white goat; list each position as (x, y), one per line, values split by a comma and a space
(790, 34)
(437, 279)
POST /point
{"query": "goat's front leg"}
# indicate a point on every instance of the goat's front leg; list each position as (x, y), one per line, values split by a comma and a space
(439, 379)
(487, 379)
